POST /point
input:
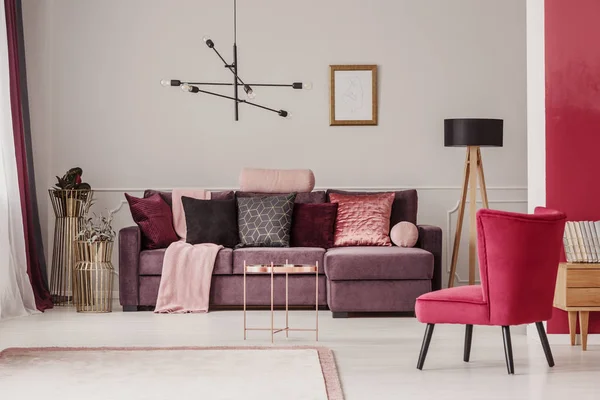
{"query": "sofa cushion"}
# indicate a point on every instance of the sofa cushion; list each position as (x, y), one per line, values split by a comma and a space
(211, 221)
(313, 225)
(155, 219)
(383, 263)
(265, 221)
(404, 207)
(301, 197)
(277, 255)
(362, 220)
(151, 262)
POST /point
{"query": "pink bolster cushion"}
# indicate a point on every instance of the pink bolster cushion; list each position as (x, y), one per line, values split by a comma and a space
(404, 234)
(276, 180)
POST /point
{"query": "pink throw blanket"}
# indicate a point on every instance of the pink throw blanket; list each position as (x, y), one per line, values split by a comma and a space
(185, 281)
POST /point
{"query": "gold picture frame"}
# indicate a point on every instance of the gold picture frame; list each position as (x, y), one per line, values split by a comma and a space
(354, 100)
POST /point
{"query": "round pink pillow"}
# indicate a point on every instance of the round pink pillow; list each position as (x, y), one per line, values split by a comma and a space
(404, 234)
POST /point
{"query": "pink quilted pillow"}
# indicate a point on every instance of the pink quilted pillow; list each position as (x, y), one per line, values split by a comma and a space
(362, 220)
(404, 234)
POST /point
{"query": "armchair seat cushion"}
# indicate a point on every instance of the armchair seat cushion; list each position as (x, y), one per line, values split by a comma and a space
(151, 262)
(378, 263)
(277, 255)
(458, 305)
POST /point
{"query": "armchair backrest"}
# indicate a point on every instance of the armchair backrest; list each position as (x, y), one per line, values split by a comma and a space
(518, 261)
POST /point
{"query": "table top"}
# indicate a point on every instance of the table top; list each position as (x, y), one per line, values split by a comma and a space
(281, 268)
(569, 265)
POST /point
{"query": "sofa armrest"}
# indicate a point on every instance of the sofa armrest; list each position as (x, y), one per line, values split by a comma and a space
(130, 246)
(430, 239)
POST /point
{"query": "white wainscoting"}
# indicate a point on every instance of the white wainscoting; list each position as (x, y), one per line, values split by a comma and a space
(438, 206)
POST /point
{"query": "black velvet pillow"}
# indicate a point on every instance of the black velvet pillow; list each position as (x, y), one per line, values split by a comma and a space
(211, 221)
(265, 221)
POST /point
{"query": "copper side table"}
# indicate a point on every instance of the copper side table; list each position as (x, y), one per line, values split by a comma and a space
(287, 269)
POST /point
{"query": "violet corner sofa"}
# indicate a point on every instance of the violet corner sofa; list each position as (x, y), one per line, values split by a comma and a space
(351, 279)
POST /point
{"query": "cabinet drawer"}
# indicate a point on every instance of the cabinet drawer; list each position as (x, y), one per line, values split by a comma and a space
(583, 297)
(582, 278)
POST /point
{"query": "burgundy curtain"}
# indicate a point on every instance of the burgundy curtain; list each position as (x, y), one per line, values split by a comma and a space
(36, 263)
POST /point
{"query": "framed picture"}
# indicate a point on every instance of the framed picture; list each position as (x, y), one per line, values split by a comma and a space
(353, 91)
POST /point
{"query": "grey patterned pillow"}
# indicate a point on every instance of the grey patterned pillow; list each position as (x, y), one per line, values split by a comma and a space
(265, 221)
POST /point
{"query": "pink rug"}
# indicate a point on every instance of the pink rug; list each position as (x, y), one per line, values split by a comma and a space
(297, 372)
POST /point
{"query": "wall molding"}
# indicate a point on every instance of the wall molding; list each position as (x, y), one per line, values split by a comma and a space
(450, 236)
(352, 188)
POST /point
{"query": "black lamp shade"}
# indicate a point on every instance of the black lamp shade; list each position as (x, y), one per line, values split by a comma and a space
(473, 132)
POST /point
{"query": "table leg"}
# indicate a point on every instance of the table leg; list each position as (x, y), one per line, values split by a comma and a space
(272, 329)
(573, 326)
(244, 299)
(317, 301)
(583, 327)
(287, 324)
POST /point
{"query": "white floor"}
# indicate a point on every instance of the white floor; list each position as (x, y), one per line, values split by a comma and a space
(376, 357)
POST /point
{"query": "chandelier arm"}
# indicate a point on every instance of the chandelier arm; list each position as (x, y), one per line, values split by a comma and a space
(197, 90)
(259, 106)
(231, 84)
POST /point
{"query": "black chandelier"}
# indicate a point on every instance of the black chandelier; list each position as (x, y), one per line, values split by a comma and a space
(192, 87)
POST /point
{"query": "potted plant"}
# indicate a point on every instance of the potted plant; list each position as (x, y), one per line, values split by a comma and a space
(70, 195)
(93, 273)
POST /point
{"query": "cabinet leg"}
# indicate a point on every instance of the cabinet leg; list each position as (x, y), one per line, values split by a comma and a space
(583, 326)
(572, 326)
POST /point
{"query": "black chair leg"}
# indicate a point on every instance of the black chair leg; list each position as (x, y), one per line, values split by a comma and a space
(468, 340)
(508, 353)
(545, 344)
(425, 346)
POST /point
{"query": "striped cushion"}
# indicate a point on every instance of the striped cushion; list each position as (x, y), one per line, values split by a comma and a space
(155, 219)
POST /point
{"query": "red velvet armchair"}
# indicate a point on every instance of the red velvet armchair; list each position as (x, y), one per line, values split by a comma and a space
(518, 262)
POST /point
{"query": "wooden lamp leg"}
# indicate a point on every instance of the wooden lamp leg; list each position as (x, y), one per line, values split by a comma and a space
(459, 222)
(484, 198)
(473, 161)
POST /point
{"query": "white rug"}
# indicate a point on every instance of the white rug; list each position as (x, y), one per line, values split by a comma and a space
(169, 373)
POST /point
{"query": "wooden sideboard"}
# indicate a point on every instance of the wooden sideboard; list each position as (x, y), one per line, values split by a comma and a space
(578, 291)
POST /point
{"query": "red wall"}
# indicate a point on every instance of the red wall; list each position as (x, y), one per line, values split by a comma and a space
(573, 117)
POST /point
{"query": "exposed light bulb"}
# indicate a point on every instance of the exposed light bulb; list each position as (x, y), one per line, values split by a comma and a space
(249, 92)
(165, 82)
(208, 42)
(289, 115)
(307, 85)
(284, 114)
(186, 88)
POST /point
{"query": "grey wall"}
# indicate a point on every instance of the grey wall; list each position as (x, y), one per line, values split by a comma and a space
(96, 101)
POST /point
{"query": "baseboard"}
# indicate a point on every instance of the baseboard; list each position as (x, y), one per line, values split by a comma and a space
(561, 338)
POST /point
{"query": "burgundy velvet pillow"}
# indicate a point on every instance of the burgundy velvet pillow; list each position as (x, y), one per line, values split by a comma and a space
(313, 225)
(155, 219)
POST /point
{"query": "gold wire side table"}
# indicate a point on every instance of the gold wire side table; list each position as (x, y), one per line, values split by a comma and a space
(93, 277)
(70, 206)
(287, 269)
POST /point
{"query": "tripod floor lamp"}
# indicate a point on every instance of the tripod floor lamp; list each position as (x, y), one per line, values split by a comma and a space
(471, 133)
